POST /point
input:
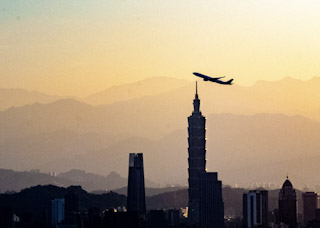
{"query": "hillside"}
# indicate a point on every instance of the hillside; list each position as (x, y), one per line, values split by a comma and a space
(240, 148)
(33, 203)
(244, 133)
(89, 141)
(20, 97)
(88, 181)
(148, 87)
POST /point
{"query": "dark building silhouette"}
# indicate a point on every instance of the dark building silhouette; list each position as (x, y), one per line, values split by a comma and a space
(113, 219)
(71, 206)
(94, 219)
(57, 211)
(173, 217)
(211, 203)
(255, 209)
(71, 202)
(157, 219)
(310, 201)
(197, 158)
(318, 214)
(6, 217)
(136, 200)
(205, 190)
(233, 223)
(316, 222)
(288, 205)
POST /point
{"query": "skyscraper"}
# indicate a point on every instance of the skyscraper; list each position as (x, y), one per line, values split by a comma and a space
(310, 201)
(136, 200)
(57, 210)
(255, 209)
(197, 158)
(205, 190)
(288, 205)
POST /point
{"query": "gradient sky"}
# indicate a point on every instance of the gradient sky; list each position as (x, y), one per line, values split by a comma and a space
(78, 47)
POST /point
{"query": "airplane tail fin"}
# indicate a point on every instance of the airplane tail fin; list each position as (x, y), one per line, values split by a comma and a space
(230, 81)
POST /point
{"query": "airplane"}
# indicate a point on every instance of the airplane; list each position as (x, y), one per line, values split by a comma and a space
(217, 80)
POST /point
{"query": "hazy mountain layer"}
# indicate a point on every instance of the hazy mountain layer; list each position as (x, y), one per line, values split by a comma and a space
(287, 96)
(88, 181)
(244, 148)
(148, 87)
(20, 97)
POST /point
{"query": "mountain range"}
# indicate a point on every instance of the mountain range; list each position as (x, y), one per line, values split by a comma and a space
(256, 133)
(20, 97)
(88, 181)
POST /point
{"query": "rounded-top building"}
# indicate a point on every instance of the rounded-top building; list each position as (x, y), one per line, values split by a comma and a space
(288, 204)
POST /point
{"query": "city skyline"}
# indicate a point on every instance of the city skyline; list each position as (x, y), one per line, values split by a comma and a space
(205, 206)
(84, 84)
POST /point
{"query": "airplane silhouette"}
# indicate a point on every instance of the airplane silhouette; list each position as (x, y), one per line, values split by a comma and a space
(217, 80)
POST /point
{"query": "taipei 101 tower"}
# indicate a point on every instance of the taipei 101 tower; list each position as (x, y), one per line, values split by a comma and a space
(197, 158)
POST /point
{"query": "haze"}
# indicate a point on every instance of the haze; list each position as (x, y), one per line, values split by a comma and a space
(100, 79)
(77, 48)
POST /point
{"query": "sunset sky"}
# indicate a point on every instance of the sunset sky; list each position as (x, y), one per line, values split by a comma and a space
(78, 47)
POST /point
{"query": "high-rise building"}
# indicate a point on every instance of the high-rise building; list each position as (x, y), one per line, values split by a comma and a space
(71, 201)
(205, 207)
(255, 209)
(288, 205)
(310, 201)
(57, 210)
(211, 203)
(136, 200)
(197, 158)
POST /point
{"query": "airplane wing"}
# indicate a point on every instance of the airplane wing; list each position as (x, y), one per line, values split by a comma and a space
(205, 77)
(218, 78)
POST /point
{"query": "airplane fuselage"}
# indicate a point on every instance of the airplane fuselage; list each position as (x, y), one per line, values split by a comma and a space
(217, 80)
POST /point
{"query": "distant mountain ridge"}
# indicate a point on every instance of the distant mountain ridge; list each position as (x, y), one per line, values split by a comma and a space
(236, 144)
(147, 87)
(20, 97)
(88, 181)
(287, 96)
(259, 126)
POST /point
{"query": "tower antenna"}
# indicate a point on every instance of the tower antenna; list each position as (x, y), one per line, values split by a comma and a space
(197, 87)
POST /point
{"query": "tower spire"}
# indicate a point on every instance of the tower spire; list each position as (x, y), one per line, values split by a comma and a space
(196, 101)
(196, 88)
